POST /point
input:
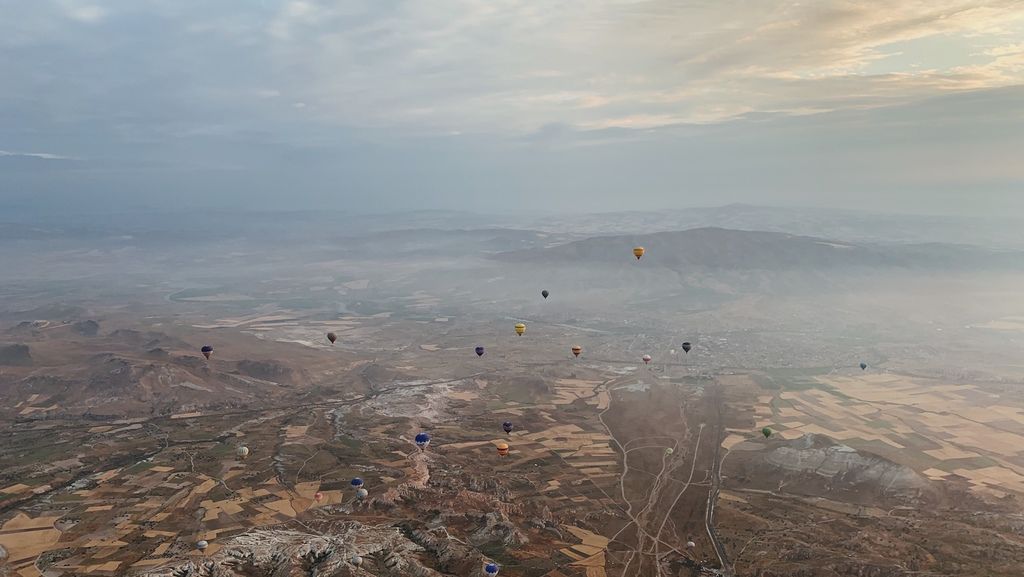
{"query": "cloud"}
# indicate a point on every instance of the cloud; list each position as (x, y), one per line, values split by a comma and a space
(185, 85)
(87, 13)
(42, 155)
(511, 67)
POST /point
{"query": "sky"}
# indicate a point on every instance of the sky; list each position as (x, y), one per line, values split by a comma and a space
(512, 105)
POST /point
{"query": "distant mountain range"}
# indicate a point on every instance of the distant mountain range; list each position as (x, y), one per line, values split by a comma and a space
(719, 248)
(198, 227)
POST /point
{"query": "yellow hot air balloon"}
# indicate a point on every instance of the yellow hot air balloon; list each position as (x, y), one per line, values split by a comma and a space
(638, 252)
(502, 449)
(520, 329)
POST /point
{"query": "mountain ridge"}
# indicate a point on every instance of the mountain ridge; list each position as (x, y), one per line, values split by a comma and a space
(724, 248)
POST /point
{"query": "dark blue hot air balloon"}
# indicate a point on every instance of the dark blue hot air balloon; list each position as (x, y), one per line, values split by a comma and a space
(357, 482)
(207, 350)
(863, 366)
(422, 440)
(479, 351)
(507, 425)
(491, 569)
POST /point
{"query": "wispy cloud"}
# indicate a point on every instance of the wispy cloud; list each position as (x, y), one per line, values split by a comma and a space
(42, 155)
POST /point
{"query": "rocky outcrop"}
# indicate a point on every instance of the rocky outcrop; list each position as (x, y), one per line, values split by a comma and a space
(89, 328)
(496, 526)
(15, 355)
(819, 455)
(286, 553)
(265, 370)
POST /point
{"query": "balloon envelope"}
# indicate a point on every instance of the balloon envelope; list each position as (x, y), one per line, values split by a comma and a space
(332, 337)
(242, 452)
(863, 366)
(544, 293)
(422, 439)
(766, 432)
(357, 482)
(318, 496)
(202, 545)
(520, 328)
(361, 494)
(356, 560)
(207, 350)
(576, 350)
(686, 347)
(491, 569)
(647, 359)
(638, 252)
(507, 426)
(502, 449)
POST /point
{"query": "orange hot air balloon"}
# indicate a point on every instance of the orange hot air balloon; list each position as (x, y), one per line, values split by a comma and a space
(638, 252)
(520, 329)
(332, 337)
(576, 350)
(502, 449)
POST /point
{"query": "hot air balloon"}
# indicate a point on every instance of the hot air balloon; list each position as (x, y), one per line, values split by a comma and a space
(357, 482)
(687, 346)
(576, 350)
(356, 560)
(766, 432)
(507, 426)
(638, 252)
(520, 329)
(491, 569)
(690, 544)
(207, 350)
(669, 451)
(422, 440)
(202, 545)
(544, 293)
(479, 351)
(332, 337)
(502, 449)
(863, 366)
(361, 493)
(318, 496)
(647, 359)
(242, 452)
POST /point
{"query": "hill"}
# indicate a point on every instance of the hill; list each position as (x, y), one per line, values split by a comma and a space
(727, 249)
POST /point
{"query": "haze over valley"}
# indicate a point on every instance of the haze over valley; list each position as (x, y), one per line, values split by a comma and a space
(121, 438)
